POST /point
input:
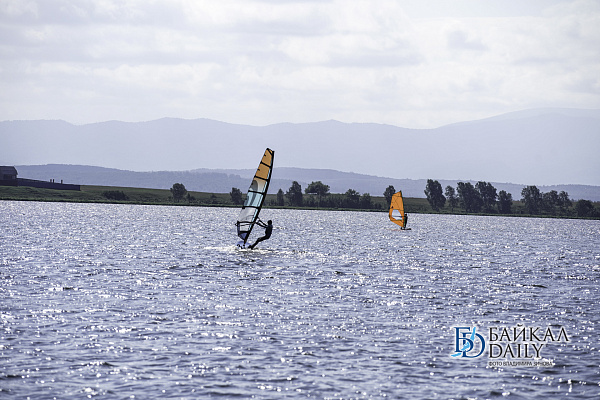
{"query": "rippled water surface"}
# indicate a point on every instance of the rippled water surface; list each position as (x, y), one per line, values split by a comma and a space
(120, 301)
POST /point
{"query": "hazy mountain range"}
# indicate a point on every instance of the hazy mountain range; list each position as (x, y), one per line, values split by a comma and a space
(221, 181)
(532, 147)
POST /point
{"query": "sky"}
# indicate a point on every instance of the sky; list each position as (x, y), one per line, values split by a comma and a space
(409, 63)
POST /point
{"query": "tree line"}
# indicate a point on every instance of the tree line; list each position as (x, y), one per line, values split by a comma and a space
(484, 198)
(315, 195)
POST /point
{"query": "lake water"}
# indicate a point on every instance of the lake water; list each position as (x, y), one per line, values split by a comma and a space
(125, 301)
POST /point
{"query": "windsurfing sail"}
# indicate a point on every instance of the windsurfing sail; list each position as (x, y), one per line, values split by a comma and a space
(256, 196)
(397, 214)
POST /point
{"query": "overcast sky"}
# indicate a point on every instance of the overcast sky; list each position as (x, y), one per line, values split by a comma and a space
(409, 63)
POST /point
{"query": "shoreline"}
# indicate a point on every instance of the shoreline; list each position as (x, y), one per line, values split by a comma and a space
(162, 197)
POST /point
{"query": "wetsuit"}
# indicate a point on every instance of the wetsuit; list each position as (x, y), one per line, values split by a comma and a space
(268, 231)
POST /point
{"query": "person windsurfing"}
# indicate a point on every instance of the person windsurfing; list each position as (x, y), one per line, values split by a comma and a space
(268, 230)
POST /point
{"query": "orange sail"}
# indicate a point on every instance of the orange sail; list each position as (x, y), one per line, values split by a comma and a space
(397, 214)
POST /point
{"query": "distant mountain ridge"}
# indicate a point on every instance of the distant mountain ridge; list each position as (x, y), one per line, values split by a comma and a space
(535, 147)
(222, 180)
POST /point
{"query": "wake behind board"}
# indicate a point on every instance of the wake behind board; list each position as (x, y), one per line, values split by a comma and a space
(243, 245)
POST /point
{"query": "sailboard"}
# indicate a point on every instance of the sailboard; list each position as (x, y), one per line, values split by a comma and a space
(255, 198)
(397, 213)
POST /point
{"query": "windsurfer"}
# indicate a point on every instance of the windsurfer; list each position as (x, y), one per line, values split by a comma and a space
(405, 220)
(268, 230)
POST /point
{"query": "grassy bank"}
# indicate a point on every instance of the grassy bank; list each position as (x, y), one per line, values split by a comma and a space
(108, 194)
(124, 195)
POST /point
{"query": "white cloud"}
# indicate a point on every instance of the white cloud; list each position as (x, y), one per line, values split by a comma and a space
(261, 62)
(18, 8)
(460, 40)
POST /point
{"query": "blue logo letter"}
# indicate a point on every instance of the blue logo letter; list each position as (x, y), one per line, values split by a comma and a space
(465, 343)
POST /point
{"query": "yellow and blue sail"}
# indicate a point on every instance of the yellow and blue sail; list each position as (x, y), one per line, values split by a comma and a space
(256, 196)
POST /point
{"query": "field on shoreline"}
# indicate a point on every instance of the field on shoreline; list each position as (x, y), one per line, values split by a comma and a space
(126, 195)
